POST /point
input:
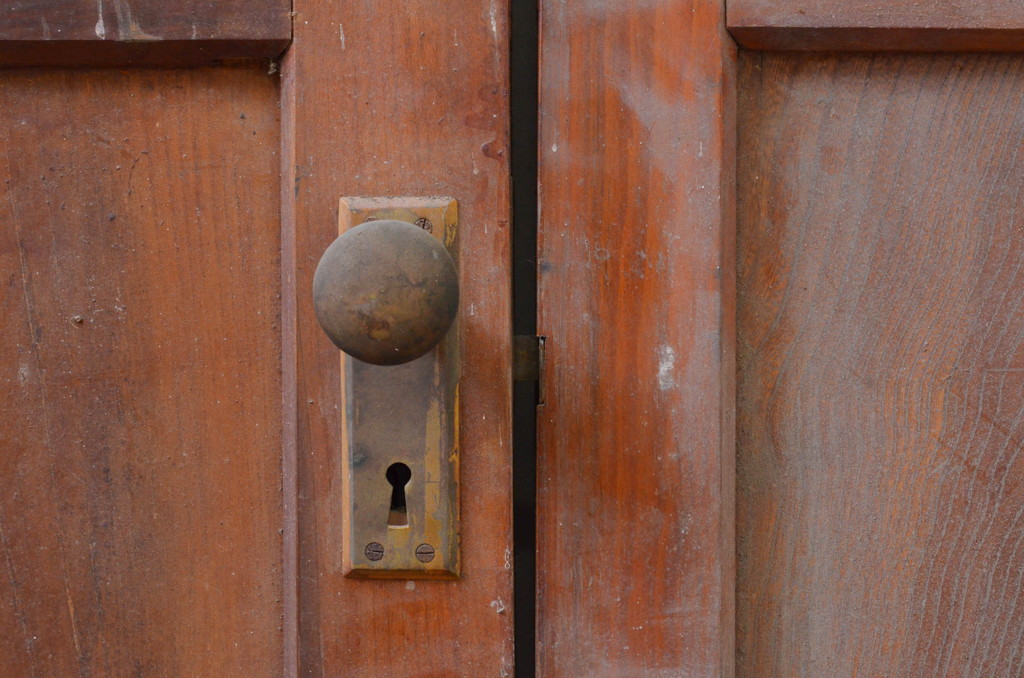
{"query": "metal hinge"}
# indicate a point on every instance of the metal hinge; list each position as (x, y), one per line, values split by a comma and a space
(528, 361)
(527, 357)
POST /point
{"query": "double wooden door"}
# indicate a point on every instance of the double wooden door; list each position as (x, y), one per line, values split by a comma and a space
(778, 285)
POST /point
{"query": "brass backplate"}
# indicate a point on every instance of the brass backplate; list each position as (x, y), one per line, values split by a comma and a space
(403, 414)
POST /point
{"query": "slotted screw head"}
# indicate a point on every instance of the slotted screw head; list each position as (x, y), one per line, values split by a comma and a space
(424, 553)
(374, 551)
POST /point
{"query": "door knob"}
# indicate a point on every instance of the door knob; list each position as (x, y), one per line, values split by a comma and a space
(386, 292)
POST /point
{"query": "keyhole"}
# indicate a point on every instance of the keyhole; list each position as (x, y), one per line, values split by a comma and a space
(398, 475)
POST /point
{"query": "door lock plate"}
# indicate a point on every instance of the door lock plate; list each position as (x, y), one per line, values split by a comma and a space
(400, 434)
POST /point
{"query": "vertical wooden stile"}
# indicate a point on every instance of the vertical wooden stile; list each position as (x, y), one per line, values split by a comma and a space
(636, 296)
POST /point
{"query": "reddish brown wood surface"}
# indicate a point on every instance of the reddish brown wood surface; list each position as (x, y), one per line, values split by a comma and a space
(897, 25)
(881, 356)
(635, 524)
(148, 32)
(140, 470)
(404, 99)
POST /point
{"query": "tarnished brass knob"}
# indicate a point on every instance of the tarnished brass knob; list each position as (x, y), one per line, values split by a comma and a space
(386, 292)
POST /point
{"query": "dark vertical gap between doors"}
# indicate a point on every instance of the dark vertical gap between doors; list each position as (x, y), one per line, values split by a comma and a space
(523, 60)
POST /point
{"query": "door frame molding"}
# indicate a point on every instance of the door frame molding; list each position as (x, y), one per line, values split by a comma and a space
(171, 33)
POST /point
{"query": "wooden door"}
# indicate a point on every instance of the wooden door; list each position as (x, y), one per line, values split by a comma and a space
(170, 489)
(172, 483)
(856, 170)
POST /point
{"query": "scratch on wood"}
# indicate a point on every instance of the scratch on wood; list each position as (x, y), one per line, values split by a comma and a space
(128, 28)
(33, 342)
(666, 365)
(493, 15)
(18, 613)
(71, 612)
(101, 29)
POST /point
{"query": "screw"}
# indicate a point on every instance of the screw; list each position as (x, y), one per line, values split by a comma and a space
(78, 320)
(424, 553)
(425, 224)
(374, 551)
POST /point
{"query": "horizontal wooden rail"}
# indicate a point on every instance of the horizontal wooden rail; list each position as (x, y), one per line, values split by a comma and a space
(867, 25)
(143, 33)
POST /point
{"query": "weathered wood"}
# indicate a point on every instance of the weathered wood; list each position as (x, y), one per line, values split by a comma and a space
(881, 359)
(140, 467)
(151, 32)
(866, 25)
(405, 99)
(289, 383)
(635, 459)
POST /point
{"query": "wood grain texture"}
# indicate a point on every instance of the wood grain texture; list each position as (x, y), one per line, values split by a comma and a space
(635, 458)
(881, 356)
(141, 32)
(866, 25)
(405, 99)
(140, 472)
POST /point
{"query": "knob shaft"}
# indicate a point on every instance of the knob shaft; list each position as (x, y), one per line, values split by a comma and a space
(386, 292)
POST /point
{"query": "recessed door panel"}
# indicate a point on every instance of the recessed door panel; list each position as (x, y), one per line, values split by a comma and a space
(881, 365)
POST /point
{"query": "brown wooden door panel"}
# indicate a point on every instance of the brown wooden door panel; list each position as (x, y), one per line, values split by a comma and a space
(140, 501)
(880, 341)
(403, 99)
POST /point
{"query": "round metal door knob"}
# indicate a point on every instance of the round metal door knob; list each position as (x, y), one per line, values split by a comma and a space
(386, 292)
